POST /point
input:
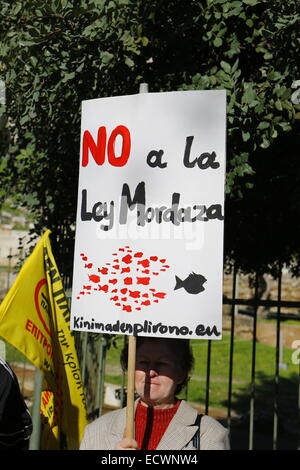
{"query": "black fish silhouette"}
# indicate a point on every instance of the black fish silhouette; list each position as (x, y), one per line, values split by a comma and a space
(193, 284)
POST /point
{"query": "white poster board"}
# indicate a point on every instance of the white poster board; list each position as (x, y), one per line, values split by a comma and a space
(149, 233)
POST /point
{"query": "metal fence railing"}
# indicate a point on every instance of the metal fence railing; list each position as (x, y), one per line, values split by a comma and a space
(269, 415)
(255, 303)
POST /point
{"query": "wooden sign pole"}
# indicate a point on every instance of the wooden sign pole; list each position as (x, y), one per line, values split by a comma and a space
(130, 428)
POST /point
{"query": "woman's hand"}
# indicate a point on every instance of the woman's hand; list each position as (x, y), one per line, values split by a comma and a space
(127, 443)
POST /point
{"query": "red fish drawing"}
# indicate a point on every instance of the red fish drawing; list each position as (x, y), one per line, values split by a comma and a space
(135, 274)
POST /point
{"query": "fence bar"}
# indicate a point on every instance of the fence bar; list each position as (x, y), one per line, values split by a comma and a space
(234, 286)
(100, 376)
(298, 446)
(84, 341)
(278, 347)
(207, 375)
(35, 438)
(265, 303)
(123, 392)
(252, 390)
(9, 269)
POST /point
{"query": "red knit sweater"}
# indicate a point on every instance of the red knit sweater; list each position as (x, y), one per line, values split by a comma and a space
(151, 423)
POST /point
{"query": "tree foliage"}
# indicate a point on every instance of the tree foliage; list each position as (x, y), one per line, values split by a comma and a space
(55, 54)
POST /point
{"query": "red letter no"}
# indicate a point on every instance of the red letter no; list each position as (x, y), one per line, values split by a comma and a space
(126, 144)
(98, 150)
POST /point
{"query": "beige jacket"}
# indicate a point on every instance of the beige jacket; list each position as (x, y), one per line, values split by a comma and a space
(105, 432)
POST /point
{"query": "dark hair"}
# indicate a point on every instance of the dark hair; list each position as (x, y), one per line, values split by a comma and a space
(182, 349)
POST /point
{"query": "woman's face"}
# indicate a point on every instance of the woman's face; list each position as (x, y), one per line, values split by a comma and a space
(157, 374)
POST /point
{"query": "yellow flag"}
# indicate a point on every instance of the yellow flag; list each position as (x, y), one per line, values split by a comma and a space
(35, 319)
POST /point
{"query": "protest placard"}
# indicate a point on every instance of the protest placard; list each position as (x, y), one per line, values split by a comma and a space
(149, 233)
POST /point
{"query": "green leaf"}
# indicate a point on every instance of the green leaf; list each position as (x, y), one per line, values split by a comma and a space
(129, 62)
(235, 12)
(263, 125)
(68, 76)
(249, 95)
(246, 136)
(251, 2)
(145, 41)
(225, 66)
(265, 143)
(231, 104)
(235, 66)
(80, 68)
(17, 8)
(278, 105)
(218, 42)
(106, 57)
(268, 55)
(24, 119)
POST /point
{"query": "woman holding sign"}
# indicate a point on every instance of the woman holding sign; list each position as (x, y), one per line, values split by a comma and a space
(162, 421)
